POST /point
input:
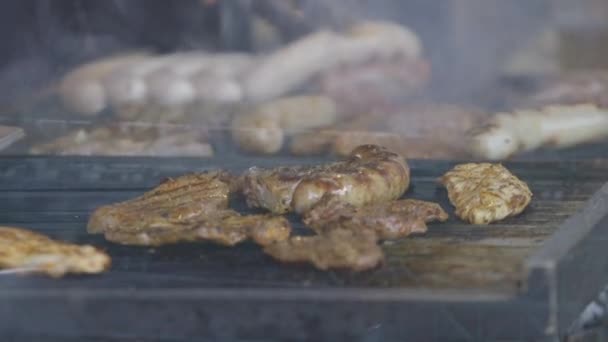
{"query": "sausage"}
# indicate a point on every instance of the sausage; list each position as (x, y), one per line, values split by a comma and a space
(264, 130)
(178, 83)
(82, 91)
(372, 174)
(508, 134)
(300, 61)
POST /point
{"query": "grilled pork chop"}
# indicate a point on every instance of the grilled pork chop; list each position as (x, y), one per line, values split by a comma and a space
(390, 220)
(484, 193)
(23, 249)
(370, 174)
(189, 208)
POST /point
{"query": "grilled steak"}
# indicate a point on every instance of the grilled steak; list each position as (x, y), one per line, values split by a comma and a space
(370, 174)
(25, 250)
(188, 208)
(484, 193)
(390, 220)
(336, 248)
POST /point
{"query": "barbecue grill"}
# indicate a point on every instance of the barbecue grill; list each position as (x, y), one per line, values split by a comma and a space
(525, 278)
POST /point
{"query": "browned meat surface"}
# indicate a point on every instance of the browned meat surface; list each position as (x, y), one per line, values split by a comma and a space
(389, 220)
(189, 208)
(121, 140)
(28, 251)
(410, 131)
(337, 248)
(484, 193)
(370, 174)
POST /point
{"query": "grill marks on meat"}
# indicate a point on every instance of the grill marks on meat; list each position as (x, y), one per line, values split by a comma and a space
(370, 174)
(337, 248)
(347, 236)
(23, 249)
(389, 220)
(189, 208)
(484, 193)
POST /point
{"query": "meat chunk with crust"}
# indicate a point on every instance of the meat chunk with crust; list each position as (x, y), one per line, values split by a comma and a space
(28, 251)
(484, 192)
(334, 249)
(189, 208)
(389, 220)
(370, 174)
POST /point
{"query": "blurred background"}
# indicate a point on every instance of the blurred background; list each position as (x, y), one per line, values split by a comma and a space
(453, 61)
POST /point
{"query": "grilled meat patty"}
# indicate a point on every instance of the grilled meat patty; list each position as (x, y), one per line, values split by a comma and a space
(189, 208)
(389, 220)
(370, 174)
(347, 236)
(337, 248)
(484, 192)
(24, 249)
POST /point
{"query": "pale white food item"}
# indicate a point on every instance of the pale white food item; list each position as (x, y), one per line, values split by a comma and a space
(264, 130)
(82, 91)
(508, 134)
(298, 62)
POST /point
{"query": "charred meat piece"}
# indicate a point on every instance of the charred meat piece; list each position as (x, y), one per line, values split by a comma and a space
(484, 193)
(337, 248)
(370, 174)
(390, 220)
(188, 208)
(28, 251)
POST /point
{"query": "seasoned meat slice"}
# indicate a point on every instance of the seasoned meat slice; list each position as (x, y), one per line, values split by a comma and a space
(174, 201)
(370, 174)
(188, 208)
(227, 228)
(337, 248)
(484, 193)
(390, 220)
(25, 250)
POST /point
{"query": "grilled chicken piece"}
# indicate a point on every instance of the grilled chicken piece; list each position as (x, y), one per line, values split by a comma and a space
(390, 220)
(188, 208)
(337, 248)
(484, 193)
(28, 251)
(370, 174)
